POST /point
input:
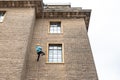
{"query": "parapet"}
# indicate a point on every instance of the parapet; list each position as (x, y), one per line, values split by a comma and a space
(66, 11)
(51, 11)
(37, 4)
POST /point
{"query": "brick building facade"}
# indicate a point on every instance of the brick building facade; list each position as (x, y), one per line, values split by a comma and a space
(61, 31)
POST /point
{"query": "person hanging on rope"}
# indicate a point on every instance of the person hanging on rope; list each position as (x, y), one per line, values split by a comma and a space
(39, 51)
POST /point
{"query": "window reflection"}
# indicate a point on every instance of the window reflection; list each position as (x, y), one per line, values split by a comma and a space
(2, 13)
(55, 27)
(55, 53)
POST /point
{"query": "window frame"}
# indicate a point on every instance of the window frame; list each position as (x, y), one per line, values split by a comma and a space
(56, 21)
(47, 56)
(4, 12)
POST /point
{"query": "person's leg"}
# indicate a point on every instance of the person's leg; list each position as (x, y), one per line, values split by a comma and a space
(42, 53)
(38, 57)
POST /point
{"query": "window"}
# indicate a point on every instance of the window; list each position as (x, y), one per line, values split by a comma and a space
(2, 13)
(55, 27)
(55, 54)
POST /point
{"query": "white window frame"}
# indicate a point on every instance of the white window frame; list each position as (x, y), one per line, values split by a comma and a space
(2, 15)
(55, 29)
(62, 53)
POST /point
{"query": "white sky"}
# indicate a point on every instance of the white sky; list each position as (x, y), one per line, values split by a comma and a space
(104, 34)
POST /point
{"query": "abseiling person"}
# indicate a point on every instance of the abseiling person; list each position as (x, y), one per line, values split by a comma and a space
(39, 51)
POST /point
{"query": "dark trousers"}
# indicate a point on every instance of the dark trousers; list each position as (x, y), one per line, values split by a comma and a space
(39, 55)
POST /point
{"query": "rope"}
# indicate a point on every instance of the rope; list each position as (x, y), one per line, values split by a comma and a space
(41, 29)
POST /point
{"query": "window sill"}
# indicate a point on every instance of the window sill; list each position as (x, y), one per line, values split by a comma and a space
(54, 62)
(55, 33)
